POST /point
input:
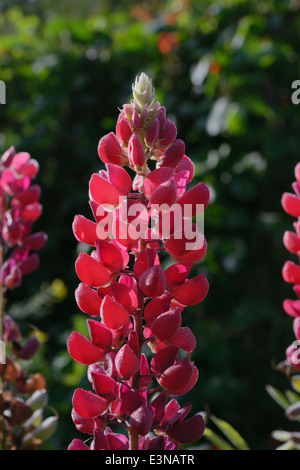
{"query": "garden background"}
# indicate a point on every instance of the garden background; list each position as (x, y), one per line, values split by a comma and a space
(224, 70)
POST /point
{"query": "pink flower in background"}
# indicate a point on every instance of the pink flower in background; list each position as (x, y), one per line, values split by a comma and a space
(19, 209)
(291, 270)
(23, 396)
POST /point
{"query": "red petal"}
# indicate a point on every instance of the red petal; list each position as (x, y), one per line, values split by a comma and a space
(82, 350)
(296, 327)
(20, 159)
(165, 193)
(136, 152)
(156, 307)
(8, 156)
(126, 362)
(87, 404)
(77, 444)
(131, 399)
(185, 244)
(184, 338)
(31, 212)
(167, 134)
(155, 178)
(126, 234)
(152, 132)
(28, 196)
(99, 442)
(197, 197)
(186, 164)
(84, 230)
(104, 192)
(117, 441)
(30, 264)
(177, 273)
(147, 259)
(291, 272)
(163, 359)
(153, 282)
(124, 296)
(291, 204)
(113, 314)
(181, 180)
(297, 172)
(110, 256)
(291, 242)
(123, 129)
(192, 291)
(158, 408)
(105, 386)
(141, 420)
(30, 169)
(173, 154)
(100, 335)
(166, 325)
(176, 377)
(187, 431)
(36, 241)
(133, 342)
(119, 178)
(292, 307)
(88, 300)
(188, 386)
(145, 371)
(109, 150)
(91, 272)
(171, 410)
(84, 425)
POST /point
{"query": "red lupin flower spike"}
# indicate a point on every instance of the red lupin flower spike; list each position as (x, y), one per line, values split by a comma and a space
(135, 303)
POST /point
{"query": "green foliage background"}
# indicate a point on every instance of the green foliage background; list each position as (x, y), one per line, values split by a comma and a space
(224, 70)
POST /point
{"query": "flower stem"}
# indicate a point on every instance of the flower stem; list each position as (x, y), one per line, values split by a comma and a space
(133, 439)
(138, 327)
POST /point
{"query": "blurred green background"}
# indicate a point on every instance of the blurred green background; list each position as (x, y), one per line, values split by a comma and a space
(224, 70)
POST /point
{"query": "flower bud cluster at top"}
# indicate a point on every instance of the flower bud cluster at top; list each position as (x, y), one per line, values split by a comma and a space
(291, 271)
(139, 349)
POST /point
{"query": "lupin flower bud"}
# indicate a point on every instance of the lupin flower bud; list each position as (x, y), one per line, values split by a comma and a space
(167, 134)
(152, 133)
(173, 155)
(136, 154)
(140, 307)
(123, 129)
(136, 120)
(109, 150)
(143, 91)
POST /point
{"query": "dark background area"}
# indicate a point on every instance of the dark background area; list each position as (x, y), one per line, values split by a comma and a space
(224, 72)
